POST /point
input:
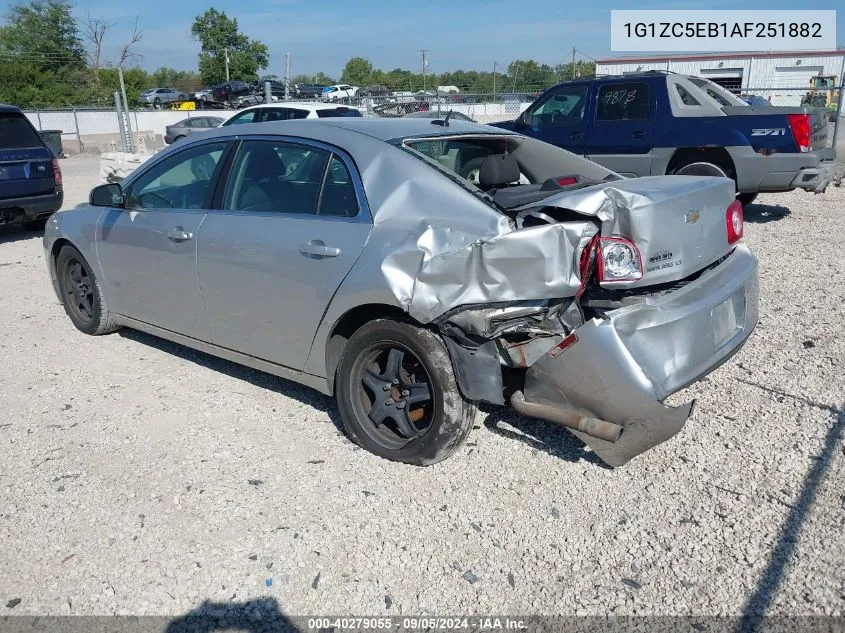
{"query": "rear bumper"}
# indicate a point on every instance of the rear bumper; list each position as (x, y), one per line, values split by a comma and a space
(623, 367)
(17, 210)
(811, 171)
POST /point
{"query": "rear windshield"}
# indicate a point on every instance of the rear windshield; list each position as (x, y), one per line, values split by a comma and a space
(16, 132)
(336, 112)
(717, 93)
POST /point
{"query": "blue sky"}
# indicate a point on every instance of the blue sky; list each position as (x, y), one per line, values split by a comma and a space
(323, 34)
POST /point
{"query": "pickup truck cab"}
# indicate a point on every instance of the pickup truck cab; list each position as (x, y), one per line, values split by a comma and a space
(30, 178)
(656, 123)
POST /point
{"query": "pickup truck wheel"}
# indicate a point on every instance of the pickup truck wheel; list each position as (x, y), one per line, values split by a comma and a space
(82, 295)
(36, 225)
(701, 169)
(398, 396)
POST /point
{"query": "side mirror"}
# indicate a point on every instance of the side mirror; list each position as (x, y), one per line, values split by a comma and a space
(108, 195)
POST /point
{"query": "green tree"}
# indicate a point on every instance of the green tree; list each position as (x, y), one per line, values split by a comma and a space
(357, 71)
(44, 34)
(218, 36)
(528, 74)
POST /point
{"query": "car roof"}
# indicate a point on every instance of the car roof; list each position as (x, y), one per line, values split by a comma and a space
(307, 105)
(9, 108)
(377, 128)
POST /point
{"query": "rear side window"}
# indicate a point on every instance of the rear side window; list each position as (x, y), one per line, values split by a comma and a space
(623, 102)
(278, 177)
(16, 132)
(338, 197)
(686, 97)
(338, 112)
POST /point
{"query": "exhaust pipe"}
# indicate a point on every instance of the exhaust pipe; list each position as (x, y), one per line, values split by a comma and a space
(593, 427)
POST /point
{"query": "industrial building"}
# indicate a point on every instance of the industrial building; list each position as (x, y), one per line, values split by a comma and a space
(782, 77)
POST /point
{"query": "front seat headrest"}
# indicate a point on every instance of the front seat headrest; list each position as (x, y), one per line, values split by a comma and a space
(497, 170)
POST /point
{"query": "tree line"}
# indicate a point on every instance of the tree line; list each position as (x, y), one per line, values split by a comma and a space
(50, 58)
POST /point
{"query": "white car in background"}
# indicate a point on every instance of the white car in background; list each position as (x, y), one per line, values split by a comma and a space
(338, 92)
(285, 110)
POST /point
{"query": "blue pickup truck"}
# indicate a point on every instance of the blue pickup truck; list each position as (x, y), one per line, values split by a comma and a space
(30, 178)
(656, 123)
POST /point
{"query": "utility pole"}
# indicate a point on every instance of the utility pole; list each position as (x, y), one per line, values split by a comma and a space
(573, 62)
(226, 54)
(287, 75)
(494, 81)
(424, 52)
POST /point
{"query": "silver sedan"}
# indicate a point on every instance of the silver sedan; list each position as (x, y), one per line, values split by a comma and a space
(356, 257)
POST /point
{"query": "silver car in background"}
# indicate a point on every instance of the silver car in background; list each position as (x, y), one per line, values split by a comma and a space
(157, 97)
(352, 256)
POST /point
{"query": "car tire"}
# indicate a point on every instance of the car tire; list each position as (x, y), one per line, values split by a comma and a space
(36, 225)
(157, 103)
(746, 198)
(423, 417)
(82, 294)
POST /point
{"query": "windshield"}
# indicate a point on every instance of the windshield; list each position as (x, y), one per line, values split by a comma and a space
(16, 132)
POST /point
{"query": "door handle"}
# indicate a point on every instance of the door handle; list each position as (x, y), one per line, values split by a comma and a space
(637, 134)
(317, 249)
(178, 234)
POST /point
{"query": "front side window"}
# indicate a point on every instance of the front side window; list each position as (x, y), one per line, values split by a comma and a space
(565, 105)
(274, 114)
(181, 181)
(276, 176)
(623, 102)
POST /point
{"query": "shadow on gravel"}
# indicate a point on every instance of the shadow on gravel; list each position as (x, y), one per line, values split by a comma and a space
(16, 233)
(255, 616)
(772, 576)
(539, 435)
(764, 213)
(255, 377)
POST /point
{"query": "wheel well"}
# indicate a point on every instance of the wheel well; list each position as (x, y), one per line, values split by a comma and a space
(348, 324)
(716, 155)
(57, 246)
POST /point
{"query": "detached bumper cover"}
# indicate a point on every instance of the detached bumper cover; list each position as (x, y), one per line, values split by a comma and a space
(815, 179)
(623, 367)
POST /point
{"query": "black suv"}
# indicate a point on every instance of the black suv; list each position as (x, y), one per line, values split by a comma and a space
(30, 178)
(229, 92)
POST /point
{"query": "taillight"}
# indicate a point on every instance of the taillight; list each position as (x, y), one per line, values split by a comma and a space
(620, 260)
(735, 221)
(57, 172)
(567, 180)
(800, 126)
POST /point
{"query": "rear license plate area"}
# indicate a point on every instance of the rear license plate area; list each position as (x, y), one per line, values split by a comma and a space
(728, 318)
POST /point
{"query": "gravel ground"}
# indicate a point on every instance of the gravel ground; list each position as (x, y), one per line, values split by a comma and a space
(139, 477)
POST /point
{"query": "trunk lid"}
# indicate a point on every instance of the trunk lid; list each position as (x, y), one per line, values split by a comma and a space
(678, 223)
(26, 167)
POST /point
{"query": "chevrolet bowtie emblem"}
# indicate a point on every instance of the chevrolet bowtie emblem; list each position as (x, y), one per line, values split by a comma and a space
(692, 216)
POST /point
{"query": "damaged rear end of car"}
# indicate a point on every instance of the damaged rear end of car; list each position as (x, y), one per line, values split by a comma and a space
(605, 296)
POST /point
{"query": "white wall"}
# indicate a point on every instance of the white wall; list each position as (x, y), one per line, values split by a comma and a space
(155, 121)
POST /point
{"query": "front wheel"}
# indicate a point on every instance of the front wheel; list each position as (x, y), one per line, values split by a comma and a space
(82, 294)
(398, 396)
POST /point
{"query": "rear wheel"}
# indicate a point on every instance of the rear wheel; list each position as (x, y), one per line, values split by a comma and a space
(398, 396)
(746, 198)
(36, 225)
(82, 294)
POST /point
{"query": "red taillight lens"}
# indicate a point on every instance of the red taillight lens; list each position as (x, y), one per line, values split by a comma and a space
(57, 172)
(735, 221)
(619, 260)
(800, 126)
(567, 180)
